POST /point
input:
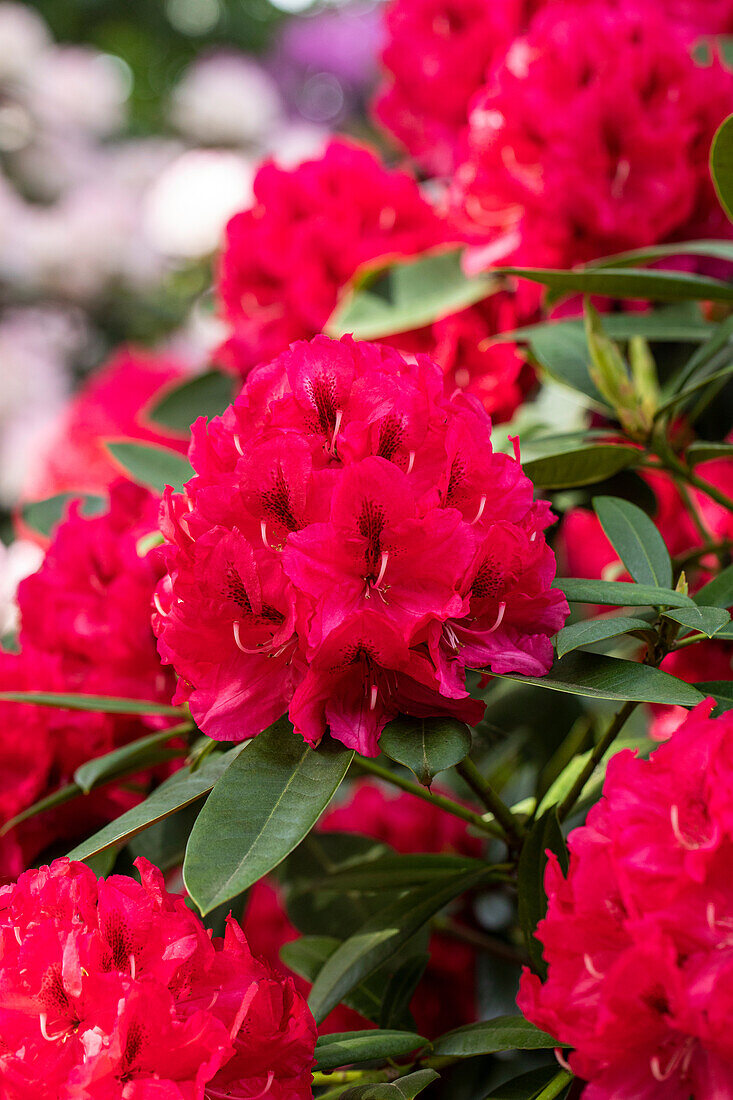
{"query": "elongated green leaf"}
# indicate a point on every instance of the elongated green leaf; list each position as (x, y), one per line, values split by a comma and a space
(102, 704)
(563, 354)
(721, 691)
(492, 1036)
(143, 753)
(706, 452)
(721, 164)
(405, 1088)
(259, 811)
(43, 515)
(381, 936)
(708, 620)
(407, 295)
(584, 466)
(564, 783)
(395, 872)
(659, 286)
(351, 1047)
(532, 1085)
(717, 250)
(588, 631)
(181, 790)
(401, 989)
(636, 540)
(545, 835)
(56, 798)
(671, 324)
(718, 592)
(600, 677)
(619, 593)
(154, 467)
(205, 395)
(426, 745)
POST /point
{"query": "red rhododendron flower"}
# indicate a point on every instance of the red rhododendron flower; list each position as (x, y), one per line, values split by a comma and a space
(436, 54)
(591, 136)
(638, 935)
(286, 260)
(110, 406)
(85, 627)
(350, 543)
(114, 990)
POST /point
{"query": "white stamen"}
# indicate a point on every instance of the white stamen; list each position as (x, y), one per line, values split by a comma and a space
(382, 568)
(237, 639)
(132, 966)
(158, 604)
(562, 1060)
(480, 512)
(16, 930)
(594, 973)
(410, 462)
(42, 1019)
(657, 1069)
(336, 427)
(263, 532)
(674, 814)
(373, 697)
(499, 617)
(238, 444)
(710, 914)
(533, 536)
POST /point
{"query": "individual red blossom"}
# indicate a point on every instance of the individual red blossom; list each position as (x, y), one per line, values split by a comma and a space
(435, 58)
(287, 259)
(347, 526)
(590, 136)
(638, 935)
(112, 405)
(114, 990)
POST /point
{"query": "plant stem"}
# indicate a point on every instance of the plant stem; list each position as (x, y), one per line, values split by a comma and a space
(490, 945)
(617, 724)
(438, 800)
(491, 800)
(690, 640)
(349, 1076)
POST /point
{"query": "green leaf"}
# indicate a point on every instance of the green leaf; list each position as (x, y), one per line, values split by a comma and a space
(718, 592)
(154, 467)
(205, 395)
(706, 452)
(349, 1048)
(407, 295)
(619, 593)
(143, 753)
(588, 631)
(636, 540)
(671, 324)
(401, 989)
(563, 354)
(259, 811)
(532, 905)
(717, 250)
(426, 745)
(584, 466)
(381, 936)
(405, 1088)
(721, 164)
(181, 790)
(395, 872)
(600, 677)
(43, 515)
(708, 620)
(562, 786)
(656, 285)
(101, 704)
(492, 1036)
(530, 1086)
(721, 691)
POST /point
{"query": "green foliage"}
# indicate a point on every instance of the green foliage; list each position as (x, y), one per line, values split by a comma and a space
(42, 516)
(350, 1048)
(545, 835)
(636, 541)
(426, 745)
(721, 164)
(205, 395)
(151, 466)
(492, 1036)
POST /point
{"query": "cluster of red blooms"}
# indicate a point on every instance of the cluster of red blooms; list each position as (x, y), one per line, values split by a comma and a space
(114, 990)
(286, 260)
(446, 995)
(350, 544)
(638, 935)
(85, 628)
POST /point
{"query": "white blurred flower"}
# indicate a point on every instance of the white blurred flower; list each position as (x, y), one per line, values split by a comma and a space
(76, 88)
(23, 37)
(226, 99)
(295, 142)
(193, 199)
(17, 561)
(36, 346)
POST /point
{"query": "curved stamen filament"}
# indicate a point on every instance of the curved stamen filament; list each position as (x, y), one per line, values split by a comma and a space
(410, 462)
(373, 697)
(158, 604)
(238, 443)
(336, 428)
(499, 617)
(382, 568)
(263, 532)
(480, 512)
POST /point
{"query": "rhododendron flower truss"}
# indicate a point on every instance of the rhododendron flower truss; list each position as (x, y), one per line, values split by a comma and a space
(113, 990)
(349, 544)
(638, 936)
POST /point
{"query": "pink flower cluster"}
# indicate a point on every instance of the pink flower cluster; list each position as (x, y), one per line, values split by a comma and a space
(591, 136)
(446, 995)
(85, 627)
(350, 544)
(286, 260)
(114, 990)
(638, 936)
